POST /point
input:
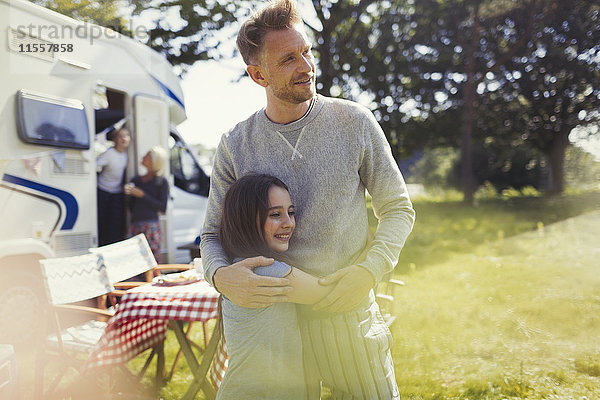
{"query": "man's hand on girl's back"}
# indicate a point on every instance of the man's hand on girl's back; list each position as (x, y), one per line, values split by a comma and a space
(247, 289)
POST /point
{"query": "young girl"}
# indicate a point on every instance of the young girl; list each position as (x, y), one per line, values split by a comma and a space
(263, 344)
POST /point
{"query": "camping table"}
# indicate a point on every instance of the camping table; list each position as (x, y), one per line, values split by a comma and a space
(141, 323)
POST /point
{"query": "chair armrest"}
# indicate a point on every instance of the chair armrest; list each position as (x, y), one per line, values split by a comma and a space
(118, 293)
(173, 267)
(397, 282)
(83, 309)
(167, 268)
(127, 285)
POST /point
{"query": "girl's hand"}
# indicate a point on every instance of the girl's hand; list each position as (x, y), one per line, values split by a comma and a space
(352, 285)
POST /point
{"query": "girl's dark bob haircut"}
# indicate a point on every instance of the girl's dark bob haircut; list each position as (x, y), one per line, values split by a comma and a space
(246, 203)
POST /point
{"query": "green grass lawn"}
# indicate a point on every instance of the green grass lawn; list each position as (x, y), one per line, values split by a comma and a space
(502, 301)
(494, 315)
(444, 229)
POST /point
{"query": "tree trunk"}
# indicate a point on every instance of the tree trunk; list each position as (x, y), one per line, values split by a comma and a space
(465, 144)
(325, 78)
(556, 158)
(325, 70)
(468, 115)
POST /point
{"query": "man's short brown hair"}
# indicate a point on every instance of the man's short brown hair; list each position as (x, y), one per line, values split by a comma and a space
(276, 15)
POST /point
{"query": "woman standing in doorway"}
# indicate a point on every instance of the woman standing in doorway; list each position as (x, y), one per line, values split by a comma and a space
(149, 194)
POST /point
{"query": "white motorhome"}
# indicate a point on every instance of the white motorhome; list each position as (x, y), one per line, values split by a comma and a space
(62, 83)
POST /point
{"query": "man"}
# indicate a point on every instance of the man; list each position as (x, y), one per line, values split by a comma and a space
(328, 151)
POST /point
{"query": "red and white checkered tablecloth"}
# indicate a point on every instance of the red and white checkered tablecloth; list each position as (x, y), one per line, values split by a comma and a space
(141, 321)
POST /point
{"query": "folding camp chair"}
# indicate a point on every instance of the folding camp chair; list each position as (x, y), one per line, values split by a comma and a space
(132, 257)
(127, 259)
(70, 280)
(384, 293)
(384, 290)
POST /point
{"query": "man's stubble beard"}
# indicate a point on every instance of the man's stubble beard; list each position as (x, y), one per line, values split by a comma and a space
(294, 97)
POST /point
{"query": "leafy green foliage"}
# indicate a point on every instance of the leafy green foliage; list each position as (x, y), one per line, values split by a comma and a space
(557, 84)
(582, 171)
(106, 13)
(532, 66)
(434, 168)
(194, 30)
(497, 168)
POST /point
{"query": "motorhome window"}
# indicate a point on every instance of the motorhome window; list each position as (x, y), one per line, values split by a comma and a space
(186, 172)
(57, 122)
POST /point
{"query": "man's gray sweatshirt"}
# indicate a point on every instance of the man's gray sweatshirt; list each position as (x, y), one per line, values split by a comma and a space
(327, 159)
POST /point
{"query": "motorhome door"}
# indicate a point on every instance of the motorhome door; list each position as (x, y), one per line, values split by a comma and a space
(151, 128)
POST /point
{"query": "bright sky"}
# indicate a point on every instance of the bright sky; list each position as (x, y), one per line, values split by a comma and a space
(588, 139)
(214, 102)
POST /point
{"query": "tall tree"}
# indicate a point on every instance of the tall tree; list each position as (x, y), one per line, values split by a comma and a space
(450, 72)
(421, 61)
(107, 13)
(186, 31)
(557, 84)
